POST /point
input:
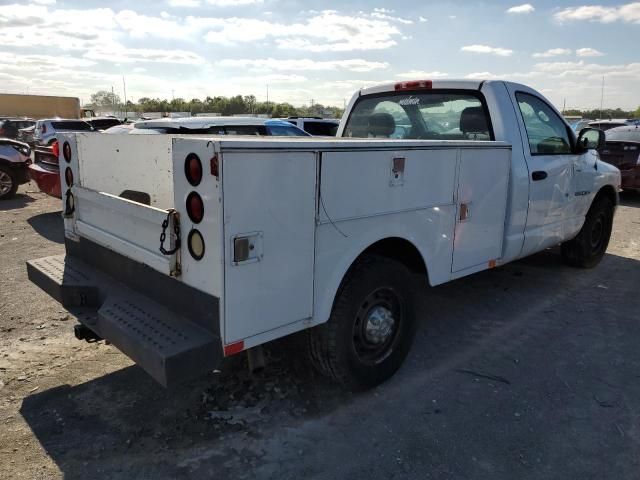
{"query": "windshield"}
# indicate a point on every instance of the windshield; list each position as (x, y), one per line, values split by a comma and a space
(286, 131)
(430, 115)
(78, 126)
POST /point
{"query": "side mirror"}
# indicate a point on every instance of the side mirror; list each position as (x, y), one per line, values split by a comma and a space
(590, 139)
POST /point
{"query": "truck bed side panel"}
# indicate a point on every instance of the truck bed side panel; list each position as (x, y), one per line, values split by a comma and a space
(269, 197)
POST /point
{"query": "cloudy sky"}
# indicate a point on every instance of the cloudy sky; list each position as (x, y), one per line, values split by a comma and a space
(194, 48)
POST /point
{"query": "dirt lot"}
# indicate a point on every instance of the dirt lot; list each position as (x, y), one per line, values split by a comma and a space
(527, 371)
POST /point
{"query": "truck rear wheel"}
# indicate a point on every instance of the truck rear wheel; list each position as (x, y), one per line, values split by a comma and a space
(8, 183)
(371, 326)
(588, 247)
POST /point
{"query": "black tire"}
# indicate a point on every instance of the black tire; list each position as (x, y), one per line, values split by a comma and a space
(8, 183)
(379, 291)
(589, 246)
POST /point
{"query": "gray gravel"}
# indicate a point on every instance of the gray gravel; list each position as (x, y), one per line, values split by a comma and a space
(531, 370)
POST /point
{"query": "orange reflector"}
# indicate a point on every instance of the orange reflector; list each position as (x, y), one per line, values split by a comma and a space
(492, 263)
(233, 348)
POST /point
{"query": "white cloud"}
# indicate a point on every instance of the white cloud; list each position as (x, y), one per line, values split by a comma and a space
(420, 74)
(268, 64)
(383, 13)
(553, 52)
(423, 19)
(629, 13)
(501, 52)
(44, 2)
(525, 8)
(129, 55)
(232, 3)
(327, 31)
(481, 76)
(184, 3)
(589, 52)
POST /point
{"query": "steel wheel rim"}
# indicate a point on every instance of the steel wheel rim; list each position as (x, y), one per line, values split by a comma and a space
(6, 184)
(377, 323)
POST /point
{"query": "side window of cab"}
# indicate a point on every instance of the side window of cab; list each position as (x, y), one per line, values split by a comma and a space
(547, 132)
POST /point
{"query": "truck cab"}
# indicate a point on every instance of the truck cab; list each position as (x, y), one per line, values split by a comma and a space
(554, 175)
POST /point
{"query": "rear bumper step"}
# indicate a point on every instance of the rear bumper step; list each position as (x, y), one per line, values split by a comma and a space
(169, 346)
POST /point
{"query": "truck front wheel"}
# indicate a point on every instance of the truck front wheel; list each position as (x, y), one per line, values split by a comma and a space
(371, 326)
(588, 247)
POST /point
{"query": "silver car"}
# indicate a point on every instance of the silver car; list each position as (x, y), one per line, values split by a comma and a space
(15, 158)
(47, 129)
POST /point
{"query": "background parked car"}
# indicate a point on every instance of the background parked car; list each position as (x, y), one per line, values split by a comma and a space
(103, 123)
(622, 149)
(578, 125)
(25, 135)
(322, 127)
(605, 125)
(221, 126)
(15, 158)
(46, 130)
(10, 127)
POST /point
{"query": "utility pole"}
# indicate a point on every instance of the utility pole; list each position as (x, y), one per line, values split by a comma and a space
(124, 88)
(602, 97)
(564, 106)
(113, 100)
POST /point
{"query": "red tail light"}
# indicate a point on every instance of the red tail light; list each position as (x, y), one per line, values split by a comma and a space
(415, 85)
(68, 176)
(66, 151)
(193, 169)
(55, 148)
(195, 207)
(1, 132)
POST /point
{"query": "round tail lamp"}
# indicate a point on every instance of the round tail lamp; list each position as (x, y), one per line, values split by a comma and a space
(68, 176)
(195, 243)
(66, 151)
(193, 169)
(195, 207)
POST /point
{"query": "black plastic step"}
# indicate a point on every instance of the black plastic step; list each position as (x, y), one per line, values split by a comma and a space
(70, 282)
(168, 345)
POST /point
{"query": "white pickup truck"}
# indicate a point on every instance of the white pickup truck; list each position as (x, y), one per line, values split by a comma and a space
(183, 249)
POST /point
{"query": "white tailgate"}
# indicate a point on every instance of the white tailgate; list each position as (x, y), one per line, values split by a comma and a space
(482, 186)
(126, 227)
(269, 196)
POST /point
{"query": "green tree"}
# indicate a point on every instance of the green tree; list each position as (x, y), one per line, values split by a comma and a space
(104, 98)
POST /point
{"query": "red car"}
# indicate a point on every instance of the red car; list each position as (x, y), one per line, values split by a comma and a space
(622, 150)
(44, 169)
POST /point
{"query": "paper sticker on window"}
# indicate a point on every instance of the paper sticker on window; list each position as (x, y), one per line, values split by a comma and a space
(409, 101)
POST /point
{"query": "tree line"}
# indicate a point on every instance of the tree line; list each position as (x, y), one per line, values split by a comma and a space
(604, 113)
(239, 104)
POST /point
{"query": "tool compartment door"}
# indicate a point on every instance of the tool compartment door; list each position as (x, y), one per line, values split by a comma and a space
(483, 181)
(269, 199)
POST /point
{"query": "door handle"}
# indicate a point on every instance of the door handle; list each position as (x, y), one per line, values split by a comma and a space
(539, 175)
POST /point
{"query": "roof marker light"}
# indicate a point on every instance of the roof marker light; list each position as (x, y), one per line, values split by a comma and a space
(414, 85)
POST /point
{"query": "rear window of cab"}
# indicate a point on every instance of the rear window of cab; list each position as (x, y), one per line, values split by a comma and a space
(432, 115)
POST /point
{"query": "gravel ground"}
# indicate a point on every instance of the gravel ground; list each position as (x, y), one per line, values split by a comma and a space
(531, 370)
